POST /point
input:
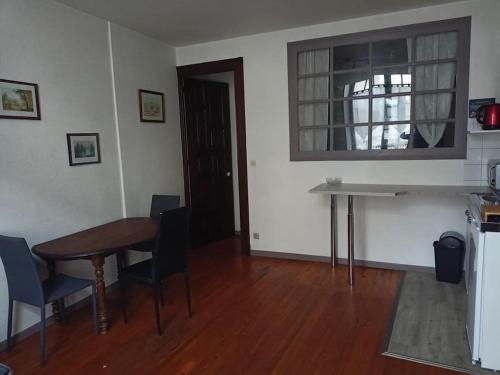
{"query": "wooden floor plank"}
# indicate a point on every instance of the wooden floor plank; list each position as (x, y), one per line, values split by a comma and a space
(251, 315)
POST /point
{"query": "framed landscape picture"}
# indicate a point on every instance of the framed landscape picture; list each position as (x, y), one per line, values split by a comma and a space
(19, 100)
(152, 106)
(83, 148)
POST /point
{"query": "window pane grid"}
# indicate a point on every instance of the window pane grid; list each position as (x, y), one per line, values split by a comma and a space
(421, 111)
(407, 122)
(370, 97)
(315, 101)
(375, 96)
(391, 137)
(433, 120)
(436, 46)
(433, 134)
(350, 56)
(350, 138)
(314, 140)
(313, 114)
(314, 75)
(399, 65)
(437, 61)
(313, 61)
(430, 77)
(316, 127)
(351, 85)
(383, 66)
(332, 55)
(341, 120)
(412, 91)
(354, 70)
(396, 136)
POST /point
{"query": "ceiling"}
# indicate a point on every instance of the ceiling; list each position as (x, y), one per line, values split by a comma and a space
(183, 22)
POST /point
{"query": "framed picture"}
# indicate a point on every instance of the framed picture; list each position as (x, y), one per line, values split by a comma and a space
(474, 105)
(83, 148)
(152, 106)
(19, 100)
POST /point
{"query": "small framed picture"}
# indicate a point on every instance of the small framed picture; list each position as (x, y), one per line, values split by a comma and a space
(19, 100)
(83, 148)
(152, 106)
(474, 105)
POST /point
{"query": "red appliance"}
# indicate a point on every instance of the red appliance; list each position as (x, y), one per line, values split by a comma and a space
(489, 116)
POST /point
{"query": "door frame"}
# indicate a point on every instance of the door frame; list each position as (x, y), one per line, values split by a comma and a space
(229, 65)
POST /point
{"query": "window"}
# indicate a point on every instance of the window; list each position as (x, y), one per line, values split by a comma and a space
(398, 93)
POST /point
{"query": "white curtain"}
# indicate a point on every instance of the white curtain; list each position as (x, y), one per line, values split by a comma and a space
(432, 106)
(312, 88)
(432, 77)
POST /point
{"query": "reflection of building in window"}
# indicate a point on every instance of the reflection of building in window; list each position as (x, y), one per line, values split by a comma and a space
(391, 83)
(396, 108)
(360, 88)
(390, 137)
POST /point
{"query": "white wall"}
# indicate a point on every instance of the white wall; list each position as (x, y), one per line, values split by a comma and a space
(41, 197)
(399, 230)
(67, 53)
(151, 152)
(228, 77)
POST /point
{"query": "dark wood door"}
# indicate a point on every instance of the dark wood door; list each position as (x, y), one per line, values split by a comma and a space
(208, 136)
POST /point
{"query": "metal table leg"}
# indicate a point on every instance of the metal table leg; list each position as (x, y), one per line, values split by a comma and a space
(333, 230)
(350, 237)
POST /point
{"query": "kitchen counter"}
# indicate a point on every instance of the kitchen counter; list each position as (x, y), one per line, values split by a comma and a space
(375, 190)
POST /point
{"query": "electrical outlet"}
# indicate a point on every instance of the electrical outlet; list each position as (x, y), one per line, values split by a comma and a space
(256, 236)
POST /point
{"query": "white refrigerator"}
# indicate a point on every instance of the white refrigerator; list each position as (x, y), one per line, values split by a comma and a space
(483, 289)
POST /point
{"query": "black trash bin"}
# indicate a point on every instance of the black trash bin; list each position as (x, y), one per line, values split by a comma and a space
(449, 256)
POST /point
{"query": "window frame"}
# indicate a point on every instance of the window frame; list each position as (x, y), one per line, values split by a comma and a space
(458, 151)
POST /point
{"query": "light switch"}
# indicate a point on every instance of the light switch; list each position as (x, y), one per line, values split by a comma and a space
(253, 163)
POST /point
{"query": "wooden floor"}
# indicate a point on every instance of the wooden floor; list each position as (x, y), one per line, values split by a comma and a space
(250, 316)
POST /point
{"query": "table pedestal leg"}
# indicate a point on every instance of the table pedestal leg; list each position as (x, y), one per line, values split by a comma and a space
(56, 308)
(102, 316)
(333, 230)
(350, 237)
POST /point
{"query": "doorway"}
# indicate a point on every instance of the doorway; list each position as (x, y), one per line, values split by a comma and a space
(211, 180)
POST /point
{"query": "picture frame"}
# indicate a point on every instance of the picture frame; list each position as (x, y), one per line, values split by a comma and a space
(151, 106)
(19, 100)
(83, 148)
(475, 104)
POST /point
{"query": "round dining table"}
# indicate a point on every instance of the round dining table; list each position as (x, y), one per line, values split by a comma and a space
(96, 244)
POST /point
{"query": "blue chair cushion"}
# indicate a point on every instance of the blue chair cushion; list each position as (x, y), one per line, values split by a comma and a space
(61, 285)
(4, 370)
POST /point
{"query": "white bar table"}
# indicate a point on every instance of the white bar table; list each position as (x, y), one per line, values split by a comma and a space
(373, 190)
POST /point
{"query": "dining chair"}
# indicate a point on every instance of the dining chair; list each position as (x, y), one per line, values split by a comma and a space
(25, 285)
(5, 370)
(168, 258)
(160, 203)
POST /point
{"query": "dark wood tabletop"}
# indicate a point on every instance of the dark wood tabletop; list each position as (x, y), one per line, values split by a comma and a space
(102, 240)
